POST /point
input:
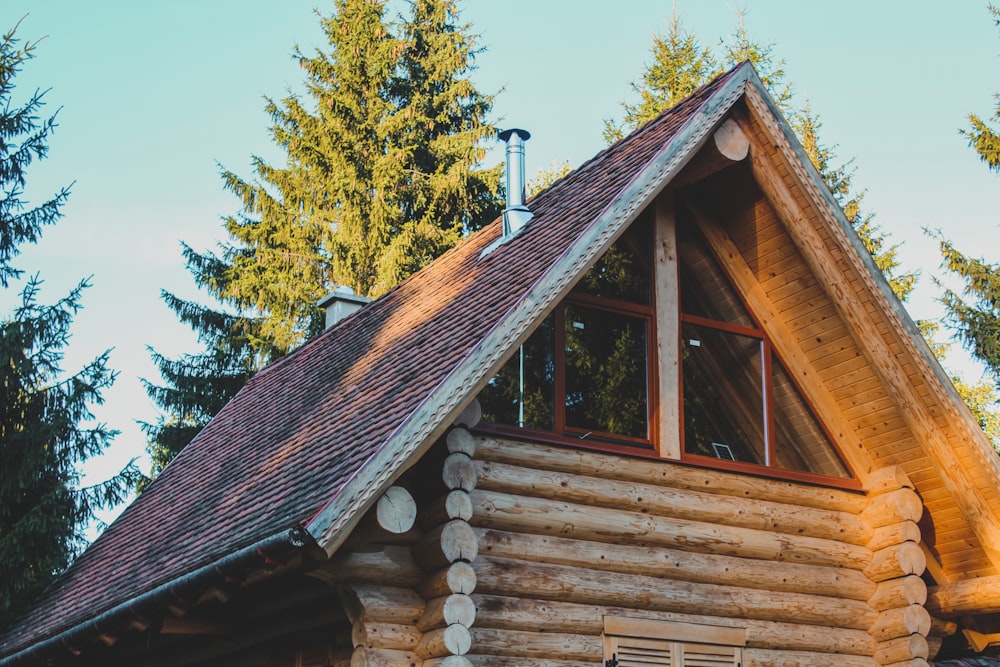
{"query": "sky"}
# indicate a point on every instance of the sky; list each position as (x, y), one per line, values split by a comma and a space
(154, 98)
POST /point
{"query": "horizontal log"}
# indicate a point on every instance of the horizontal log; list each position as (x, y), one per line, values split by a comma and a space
(674, 503)
(566, 646)
(460, 440)
(941, 627)
(757, 657)
(902, 649)
(391, 565)
(456, 578)
(896, 561)
(381, 604)
(900, 592)
(893, 507)
(568, 584)
(441, 642)
(533, 615)
(470, 415)
(514, 661)
(454, 505)
(933, 646)
(448, 610)
(676, 564)
(894, 533)
(550, 517)
(386, 635)
(914, 662)
(448, 543)
(374, 657)
(458, 472)
(884, 480)
(448, 661)
(980, 595)
(900, 622)
(628, 469)
(396, 510)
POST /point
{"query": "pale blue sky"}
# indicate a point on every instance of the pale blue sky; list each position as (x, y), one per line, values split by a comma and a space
(154, 94)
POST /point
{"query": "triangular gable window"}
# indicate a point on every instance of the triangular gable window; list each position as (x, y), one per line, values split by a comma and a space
(740, 404)
(588, 372)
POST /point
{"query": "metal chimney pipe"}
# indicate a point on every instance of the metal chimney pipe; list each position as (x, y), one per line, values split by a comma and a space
(516, 214)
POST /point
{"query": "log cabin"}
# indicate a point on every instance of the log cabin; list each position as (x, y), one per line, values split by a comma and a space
(668, 412)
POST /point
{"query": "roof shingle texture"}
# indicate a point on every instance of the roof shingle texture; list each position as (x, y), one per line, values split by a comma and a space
(303, 426)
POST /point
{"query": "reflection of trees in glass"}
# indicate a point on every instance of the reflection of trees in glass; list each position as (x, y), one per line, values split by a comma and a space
(501, 399)
(621, 274)
(606, 378)
(602, 378)
(723, 396)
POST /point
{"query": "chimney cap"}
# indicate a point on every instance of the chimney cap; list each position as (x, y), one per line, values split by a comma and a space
(505, 135)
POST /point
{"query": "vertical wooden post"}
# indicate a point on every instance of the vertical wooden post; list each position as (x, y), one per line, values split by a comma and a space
(666, 300)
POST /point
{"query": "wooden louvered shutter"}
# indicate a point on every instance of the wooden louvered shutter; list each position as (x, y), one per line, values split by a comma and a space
(708, 655)
(646, 643)
(636, 652)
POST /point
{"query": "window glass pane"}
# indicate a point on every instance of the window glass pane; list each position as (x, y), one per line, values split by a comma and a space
(522, 393)
(723, 394)
(606, 372)
(621, 274)
(800, 442)
(705, 290)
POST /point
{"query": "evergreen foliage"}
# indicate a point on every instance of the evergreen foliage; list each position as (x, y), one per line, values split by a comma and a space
(46, 427)
(380, 177)
(983, 138)
(974, 314)
(680, 66)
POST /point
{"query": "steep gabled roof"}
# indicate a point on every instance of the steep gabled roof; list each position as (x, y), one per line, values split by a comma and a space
(312, 438)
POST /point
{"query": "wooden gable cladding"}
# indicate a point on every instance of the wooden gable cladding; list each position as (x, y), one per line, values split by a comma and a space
(876, 389)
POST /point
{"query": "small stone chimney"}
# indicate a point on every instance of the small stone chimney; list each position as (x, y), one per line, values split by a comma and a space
(340, 303)
(516, 214)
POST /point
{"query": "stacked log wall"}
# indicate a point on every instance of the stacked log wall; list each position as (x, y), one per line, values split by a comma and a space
(406, 585)
(520, 550)
(568, 536)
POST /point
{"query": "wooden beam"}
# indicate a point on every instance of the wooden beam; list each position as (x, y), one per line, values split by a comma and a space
(683, 566)
(667, 302)
(728, 146)
(836, 278)
(626, 469)
(583, 586)
(677, 503)
(516, 513)
(807, 378)
(396, 510)
(533, 615)
(970, 596)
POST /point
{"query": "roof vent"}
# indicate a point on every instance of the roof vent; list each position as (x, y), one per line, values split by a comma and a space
(516, 215)
(340, 303)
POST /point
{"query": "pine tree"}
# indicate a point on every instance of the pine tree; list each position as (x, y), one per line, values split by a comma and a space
(45, 418)
(974, 315)
(380, 177)
(680, 65)
(983, 138)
